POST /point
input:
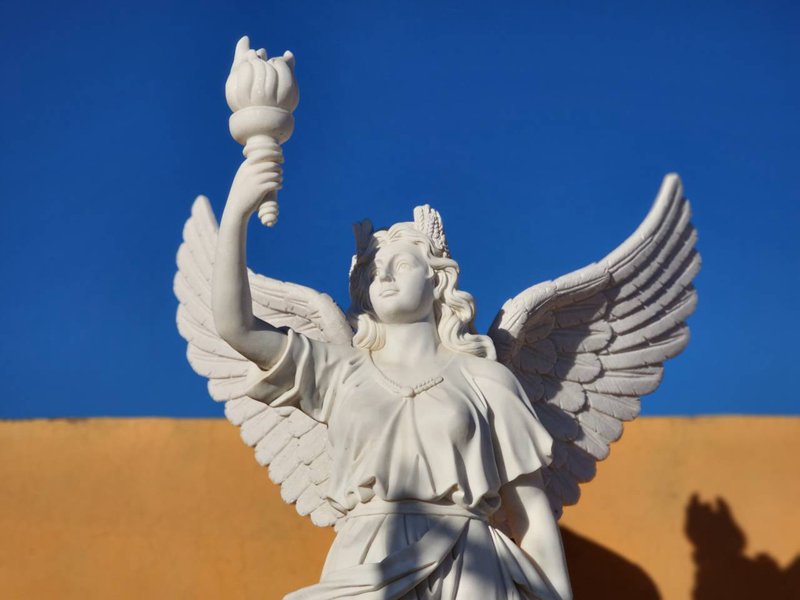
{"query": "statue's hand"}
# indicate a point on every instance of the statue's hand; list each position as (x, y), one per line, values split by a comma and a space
(259, 177)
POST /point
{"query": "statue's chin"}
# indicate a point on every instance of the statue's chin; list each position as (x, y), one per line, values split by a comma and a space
(398, 313)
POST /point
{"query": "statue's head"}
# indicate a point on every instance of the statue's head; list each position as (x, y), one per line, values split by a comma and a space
(405, 274)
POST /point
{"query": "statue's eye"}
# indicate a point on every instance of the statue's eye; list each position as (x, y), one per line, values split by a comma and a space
(403, 266)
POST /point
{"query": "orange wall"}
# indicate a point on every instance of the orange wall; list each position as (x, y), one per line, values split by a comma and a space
(162, 508)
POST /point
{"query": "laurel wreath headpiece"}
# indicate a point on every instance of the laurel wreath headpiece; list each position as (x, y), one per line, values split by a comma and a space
(427, 220)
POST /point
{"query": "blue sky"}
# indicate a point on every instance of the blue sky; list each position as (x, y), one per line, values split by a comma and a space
(540, 130)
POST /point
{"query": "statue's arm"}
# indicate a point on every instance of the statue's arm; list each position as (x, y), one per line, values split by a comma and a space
(535, 530)
(231, 302)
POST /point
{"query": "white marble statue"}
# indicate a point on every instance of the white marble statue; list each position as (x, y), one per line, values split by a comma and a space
(442, 457)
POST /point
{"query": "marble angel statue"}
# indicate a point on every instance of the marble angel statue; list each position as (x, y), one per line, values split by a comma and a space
(442, 457)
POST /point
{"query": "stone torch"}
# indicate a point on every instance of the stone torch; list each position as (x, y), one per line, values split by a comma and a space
(262, 95)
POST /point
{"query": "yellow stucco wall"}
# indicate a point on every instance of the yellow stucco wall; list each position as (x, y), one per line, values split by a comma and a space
(162, 508)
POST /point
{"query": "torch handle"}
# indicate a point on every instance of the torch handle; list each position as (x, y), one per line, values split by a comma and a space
(272, 152)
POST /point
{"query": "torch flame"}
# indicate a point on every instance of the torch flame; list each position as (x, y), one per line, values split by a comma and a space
(255, 80)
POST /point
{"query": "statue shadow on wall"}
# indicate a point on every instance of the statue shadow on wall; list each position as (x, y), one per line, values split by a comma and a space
(722, 569)
(597, 572)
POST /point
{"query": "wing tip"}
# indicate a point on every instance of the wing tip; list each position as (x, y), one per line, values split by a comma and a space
(201, 209)
(671, 190)
(201, 201)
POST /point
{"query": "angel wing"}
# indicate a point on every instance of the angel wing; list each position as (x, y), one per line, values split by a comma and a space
(293, 445)
(586, 346)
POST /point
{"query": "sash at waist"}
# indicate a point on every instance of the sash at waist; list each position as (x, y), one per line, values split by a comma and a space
(401, 569)
(376, 506)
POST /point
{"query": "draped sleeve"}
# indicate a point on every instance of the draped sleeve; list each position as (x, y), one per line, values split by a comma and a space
(305, 376)
(520, 442)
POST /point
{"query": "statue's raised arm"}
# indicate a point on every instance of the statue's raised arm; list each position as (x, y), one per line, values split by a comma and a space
(261, 93)
(235, 320)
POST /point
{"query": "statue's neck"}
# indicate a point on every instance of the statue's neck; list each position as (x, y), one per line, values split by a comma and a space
(409, 344)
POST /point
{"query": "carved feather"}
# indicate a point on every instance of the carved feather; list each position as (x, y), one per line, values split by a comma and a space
(238, 411)
(538, 357)
(566, 395)
(623, 408)
(285, 462)
(593, 443)
(580, 464)
(309, 500)
(559, 423)
(581, 368)
(294, 484)
(632, 382)
(324, 515)
(591, 337)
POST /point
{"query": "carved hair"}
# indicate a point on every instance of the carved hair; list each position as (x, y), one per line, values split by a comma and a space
(454, 309)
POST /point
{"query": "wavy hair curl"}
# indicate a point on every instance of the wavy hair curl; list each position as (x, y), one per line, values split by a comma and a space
(454, 309)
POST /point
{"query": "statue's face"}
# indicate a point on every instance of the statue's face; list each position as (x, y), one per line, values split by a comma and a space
(401, 290)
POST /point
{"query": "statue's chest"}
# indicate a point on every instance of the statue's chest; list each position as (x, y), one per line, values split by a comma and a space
(373, 413)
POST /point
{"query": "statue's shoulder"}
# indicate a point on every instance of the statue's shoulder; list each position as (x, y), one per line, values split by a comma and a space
(487, 368)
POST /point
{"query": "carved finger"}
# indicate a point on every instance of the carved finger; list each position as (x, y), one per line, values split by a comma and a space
(269, 178)
(270, 186)
(268, 167)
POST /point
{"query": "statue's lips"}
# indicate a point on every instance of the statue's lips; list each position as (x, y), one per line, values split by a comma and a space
(388, 292)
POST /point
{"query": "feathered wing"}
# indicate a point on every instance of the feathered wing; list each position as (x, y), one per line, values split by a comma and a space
(588, 345)
(293, 445)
